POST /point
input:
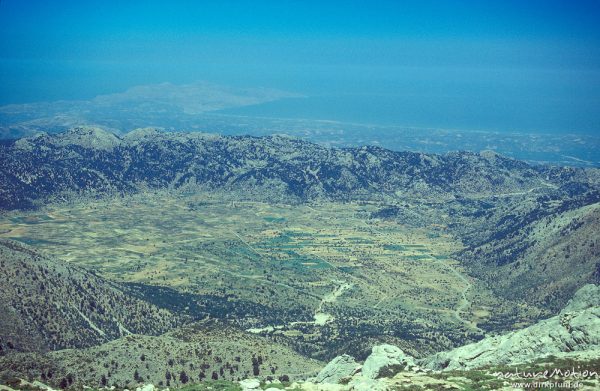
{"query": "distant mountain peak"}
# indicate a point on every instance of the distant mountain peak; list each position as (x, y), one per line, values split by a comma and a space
(141, 134)
(88, 137)
(239, 163)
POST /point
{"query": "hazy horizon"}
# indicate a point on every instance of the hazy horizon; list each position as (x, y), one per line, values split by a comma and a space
(499, 66)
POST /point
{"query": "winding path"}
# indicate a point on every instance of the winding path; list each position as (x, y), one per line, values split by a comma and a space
(464, 302)
(320, 318)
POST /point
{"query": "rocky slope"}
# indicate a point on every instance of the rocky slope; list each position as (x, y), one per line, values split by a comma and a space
(48, 304)
(544, 260)
(195, 353)
(574, 335)
(89, 160)
(115, 337)
(66, 326)
(575, 328)
(538, 246)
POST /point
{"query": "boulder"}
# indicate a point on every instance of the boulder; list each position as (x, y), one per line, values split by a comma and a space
(586, 297)
(146, 387)
(309, 386)
(385, 361)
(340, 367)
(42, 386)
(364, 384)
(250, 384)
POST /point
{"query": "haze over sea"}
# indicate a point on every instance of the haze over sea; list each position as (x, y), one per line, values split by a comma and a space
(501, 65)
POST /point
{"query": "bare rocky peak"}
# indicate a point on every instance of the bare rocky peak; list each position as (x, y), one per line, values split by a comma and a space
(88, 137)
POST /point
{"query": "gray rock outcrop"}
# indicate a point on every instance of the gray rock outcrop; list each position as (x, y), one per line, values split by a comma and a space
(575, 328)
(385, 361)
(340, 367)
(363, 384)
(586, 297)
(249, 384)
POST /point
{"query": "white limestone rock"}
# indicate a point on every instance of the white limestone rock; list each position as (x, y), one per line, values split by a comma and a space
(575, 328)
(340, 367)
(250, 384)
(385, 361)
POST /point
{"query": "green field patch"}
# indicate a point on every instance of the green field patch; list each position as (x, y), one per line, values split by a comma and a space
(304, 261)
(394, 247)
(245, 252)
(418, 257)
(298, 234)
(278, 240)
(358, 240)
(295, 246)
(122, 268)
(325, 235)
(36, 242)
(272, 219)
(31, 219)
(343, 249)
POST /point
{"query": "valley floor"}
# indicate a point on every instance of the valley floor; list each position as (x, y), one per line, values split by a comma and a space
(332, 273)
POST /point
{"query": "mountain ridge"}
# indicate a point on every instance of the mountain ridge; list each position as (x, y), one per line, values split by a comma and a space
(91, 159)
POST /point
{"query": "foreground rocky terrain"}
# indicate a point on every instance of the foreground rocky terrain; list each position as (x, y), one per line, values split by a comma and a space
(195, 353)
(561, 349)
(573, 334)
(575, 329)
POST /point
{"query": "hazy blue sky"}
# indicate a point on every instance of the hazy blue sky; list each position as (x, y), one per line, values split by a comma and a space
(515, 65)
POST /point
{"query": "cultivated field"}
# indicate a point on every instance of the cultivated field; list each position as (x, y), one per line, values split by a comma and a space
(331, 266)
